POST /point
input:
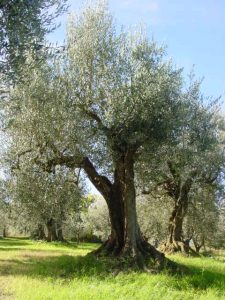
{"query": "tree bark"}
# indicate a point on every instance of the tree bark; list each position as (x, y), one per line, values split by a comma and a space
(175, 241)
(126, 238)
(112, 193)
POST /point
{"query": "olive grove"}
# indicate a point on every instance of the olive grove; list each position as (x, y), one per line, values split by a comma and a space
(105, 105)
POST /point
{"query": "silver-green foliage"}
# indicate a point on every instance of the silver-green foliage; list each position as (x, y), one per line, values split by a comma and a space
(108, 90)
(24, 25)
(39, 196)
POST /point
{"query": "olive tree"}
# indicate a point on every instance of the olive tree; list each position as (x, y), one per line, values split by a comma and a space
(194, 157)
(45, 199)
(201, 221)
(110, 97)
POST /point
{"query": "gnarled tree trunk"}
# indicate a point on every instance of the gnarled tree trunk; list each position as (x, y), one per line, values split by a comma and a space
(126, 238)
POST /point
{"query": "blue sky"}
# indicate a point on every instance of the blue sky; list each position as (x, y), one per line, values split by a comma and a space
(194, 32)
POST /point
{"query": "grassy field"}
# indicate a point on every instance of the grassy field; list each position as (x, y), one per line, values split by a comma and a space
(40, 271)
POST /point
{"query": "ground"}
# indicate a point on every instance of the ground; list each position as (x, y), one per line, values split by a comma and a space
(41, 271)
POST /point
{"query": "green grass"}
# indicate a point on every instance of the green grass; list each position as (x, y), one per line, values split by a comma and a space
(39, 271)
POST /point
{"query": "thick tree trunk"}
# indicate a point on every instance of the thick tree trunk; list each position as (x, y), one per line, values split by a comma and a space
(115, 243)
(51, 228)
(112, 194)
(126, 238)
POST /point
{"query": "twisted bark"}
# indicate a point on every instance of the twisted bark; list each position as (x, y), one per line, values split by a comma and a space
(125, 239)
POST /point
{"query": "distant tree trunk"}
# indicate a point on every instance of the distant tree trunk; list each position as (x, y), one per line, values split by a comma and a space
(197, 248)
(198, 245)
(60, 233)
(51, 228)
(41, 232)
(4, 232)
(175, 241)
(126, 238)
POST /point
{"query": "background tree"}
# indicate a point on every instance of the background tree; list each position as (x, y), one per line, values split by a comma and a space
(194, 156)
(46, 200)
(153, 213)
(201, 221)
(98, 218)
(4, 215)
(218, 240)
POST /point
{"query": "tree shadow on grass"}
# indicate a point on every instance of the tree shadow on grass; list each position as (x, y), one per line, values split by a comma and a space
(13, 249)
(64, 266)
(7, 242)
(53, 263)
(202, 279)
(60, 250)
(74, 245)
(67, 267)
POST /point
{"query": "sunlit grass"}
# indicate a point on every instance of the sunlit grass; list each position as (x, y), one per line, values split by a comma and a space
(40, 271)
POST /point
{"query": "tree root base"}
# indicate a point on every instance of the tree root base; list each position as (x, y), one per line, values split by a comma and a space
(178, 247)
(148, 260)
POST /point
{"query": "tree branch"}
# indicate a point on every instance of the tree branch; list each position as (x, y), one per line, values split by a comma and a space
(102, 183)
(96, 118)
(66, 160)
